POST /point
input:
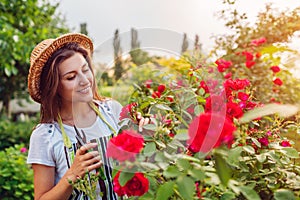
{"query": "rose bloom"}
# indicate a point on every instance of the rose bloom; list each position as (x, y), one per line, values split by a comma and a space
(223, 64)
(136, 186)
(285, 143)
(156, 94)
(234, 110)
(278, 81)
(228, 75)
(243, 96)
(275, 69)
(148, 83)
(249, 56)
(259, 41)
(264, 141)
(125, 146)
(249, 64)
(209, 130)
(23, 150)
(128, 111)
(161, 88)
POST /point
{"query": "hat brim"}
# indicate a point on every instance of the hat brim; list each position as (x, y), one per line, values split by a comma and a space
(43, 51)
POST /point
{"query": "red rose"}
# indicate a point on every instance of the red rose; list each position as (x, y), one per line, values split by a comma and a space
(125, 146)
(148, 83)
(243, 96)
(136, 186)
(249, 64)
(264, 141)
(278, 81)
(234, 110)
(249, 56)
(223, 64)
(228, 75)
(161, 88)
(209, 130)
(128, 111)
(285, 143)
(156, 94)
(275, 69)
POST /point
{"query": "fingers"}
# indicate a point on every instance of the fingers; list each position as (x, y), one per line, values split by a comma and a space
(85, 148)
(143, 121)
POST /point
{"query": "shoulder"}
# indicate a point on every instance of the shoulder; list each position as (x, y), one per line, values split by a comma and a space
(109, 105)
(43, 131)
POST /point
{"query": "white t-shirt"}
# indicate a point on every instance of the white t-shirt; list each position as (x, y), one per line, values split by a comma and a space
(47, 147)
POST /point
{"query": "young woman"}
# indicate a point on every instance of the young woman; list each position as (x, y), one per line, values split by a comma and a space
(75, 122)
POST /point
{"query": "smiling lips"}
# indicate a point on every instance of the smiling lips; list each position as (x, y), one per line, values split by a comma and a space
(85, 90)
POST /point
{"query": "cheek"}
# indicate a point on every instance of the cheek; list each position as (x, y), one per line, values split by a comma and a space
(66, 88)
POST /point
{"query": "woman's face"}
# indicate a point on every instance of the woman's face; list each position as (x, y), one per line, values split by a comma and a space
(76, 80)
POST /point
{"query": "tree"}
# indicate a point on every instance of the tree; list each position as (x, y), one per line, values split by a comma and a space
(117, 56)
(138, 56)
(23, 24)
(185, 44)
(83, 28)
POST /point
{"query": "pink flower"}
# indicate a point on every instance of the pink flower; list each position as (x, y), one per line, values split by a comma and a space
(285, 143)
(243, 96)
(259, 41)
(264, 141)
(277, 81)
(275, 69)
(23, 150)
(223, 64)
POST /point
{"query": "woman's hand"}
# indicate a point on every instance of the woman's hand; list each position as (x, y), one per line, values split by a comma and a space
(142, 121)
(85, 160)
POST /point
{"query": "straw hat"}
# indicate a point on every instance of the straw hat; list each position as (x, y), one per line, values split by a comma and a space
(43, 51)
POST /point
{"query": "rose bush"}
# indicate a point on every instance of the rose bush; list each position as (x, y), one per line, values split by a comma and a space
(209, 136)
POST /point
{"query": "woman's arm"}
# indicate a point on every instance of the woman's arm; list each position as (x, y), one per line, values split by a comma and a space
(44, 176)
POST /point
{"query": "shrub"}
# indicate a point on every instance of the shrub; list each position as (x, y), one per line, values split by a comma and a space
(15, 133)
(16, 177)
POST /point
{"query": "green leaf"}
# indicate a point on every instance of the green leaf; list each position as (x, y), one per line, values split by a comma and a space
(249, 149)
(186, 187)
(227, 196)
(222, 169)
(234, 155)
(182, 136)
(124, 177)
(165, 191)
(184, 164)
(198, 109)
(284, 194)
(149, 149)
(163, 107)
(290, 152)
(285, 110)
(249, 193)
(196, 174)
(151, 127)
(171, 172)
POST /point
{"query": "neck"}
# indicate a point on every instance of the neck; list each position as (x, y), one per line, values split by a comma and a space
(79, 114)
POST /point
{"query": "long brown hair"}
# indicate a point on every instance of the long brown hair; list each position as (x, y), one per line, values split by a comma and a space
(50, 100)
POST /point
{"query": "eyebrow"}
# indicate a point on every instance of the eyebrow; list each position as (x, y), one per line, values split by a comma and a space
(84, 64)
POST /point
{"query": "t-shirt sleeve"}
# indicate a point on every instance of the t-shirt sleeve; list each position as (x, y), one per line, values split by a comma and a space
(41, 147)
(116, 108)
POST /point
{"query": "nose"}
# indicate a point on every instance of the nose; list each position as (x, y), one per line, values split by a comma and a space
(83, 80)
